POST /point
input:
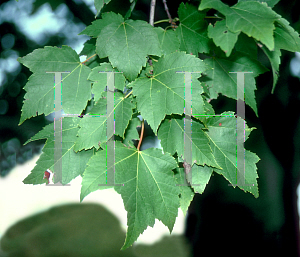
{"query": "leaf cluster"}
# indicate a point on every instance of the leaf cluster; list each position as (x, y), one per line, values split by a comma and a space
(149, 63)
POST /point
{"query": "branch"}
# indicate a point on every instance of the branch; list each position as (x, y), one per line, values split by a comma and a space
(167, 10)
(173, 24)
(152, 10)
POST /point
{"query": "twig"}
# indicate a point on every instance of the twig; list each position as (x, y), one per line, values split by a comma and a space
(88, 58)
(168, 13)
(152, 10)
(167, 10)
(141, 137)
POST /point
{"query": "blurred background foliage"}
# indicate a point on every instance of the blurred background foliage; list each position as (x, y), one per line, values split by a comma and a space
(222, 219)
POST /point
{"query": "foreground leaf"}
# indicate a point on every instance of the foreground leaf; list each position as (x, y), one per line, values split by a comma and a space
(149, 189)
(163, 93)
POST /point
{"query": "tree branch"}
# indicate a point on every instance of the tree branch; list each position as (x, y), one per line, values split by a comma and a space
(152, 10)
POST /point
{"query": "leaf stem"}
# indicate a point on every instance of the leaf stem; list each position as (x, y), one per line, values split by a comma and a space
(88, 58)
(166, 20)
(141, 137)
(128, 94)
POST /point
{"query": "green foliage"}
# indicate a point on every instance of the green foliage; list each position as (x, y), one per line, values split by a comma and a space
(149, 86)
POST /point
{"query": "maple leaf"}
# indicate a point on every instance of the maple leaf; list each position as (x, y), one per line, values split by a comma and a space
(163, 92)
(171, 133)
(99, 78)
(220, 80)
(222, 36)
(149, 188)
(93, 126)
(223, 144)
(73, 164)
(39, 98)
(192, 30)
(127, 44)
(168, 39)
(253, 18)
(186, 192)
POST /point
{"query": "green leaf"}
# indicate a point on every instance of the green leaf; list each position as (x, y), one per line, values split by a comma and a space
(131, 131)
(199, 177)
(270, 3)
(149, 188)
(99, 5)
(223, 143)
(99, 78)
(220, 80)
(94, 175)
(172, 134)
(286, 37)
(76, 89)
(127, 44)
(186, 192)
(253, 18)
(222, 36)
(73, 164)
(168, 39)
(274, 57)
(93, 126)
(95, 29)
(192, 30)
(163, 93)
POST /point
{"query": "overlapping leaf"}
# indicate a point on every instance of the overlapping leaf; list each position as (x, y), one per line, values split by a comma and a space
(127, 44)
(199, 177)
(76, 89)
(99, 77)
(73, 164)
(222, 36)
(186, 192)
(220, 80)
(95, 29)
(168, 39)
(173, 127)
(163, 93)
(286, 37)
(270, 3)
(253, 18)
(149, 189)
(192, 30)
(99, 5)
(93, 127)
(222, 136)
